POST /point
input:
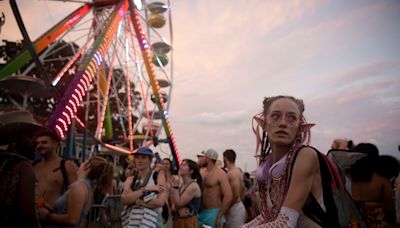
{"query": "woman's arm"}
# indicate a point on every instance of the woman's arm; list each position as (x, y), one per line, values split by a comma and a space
(182, 200)
(304, 170)
(77, 197)
(161, 195)
(129, 197)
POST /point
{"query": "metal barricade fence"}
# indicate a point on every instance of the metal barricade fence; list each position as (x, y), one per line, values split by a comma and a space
(107, 214)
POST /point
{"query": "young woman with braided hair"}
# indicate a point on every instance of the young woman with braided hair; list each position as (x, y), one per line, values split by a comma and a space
(288, 171)
(72, 207)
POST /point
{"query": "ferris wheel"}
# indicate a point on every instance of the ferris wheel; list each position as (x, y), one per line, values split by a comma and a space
(110, 66)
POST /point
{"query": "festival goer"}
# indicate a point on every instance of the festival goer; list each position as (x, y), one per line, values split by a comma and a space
(167, 208)
(71, 209)
(288, 172)
(168, 169)
(388, 166)
(236, 214)
(342, 144)
(129, 171)
(372, 193)
(215, 186)
(53, 173)
(157, 159)
(17, 177)
(138, 188)
(187, 197)
(247, 195)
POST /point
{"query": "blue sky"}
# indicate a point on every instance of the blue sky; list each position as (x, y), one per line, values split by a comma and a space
(341, 58)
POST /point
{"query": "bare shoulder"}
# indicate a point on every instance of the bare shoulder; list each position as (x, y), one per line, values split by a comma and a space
(238, 172)
(307, 154)
(383, 181)
(38, 165)
(221, 174)
(78, 191)
(78, 186)
(235, 173)
(70, 165)
(307, 158)
(193, 186)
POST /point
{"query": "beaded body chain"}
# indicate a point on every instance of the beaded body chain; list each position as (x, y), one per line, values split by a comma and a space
(273, 202)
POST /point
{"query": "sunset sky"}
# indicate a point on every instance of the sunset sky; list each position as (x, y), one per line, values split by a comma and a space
(341, 57)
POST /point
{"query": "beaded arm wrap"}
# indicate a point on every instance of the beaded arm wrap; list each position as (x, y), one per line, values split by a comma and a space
(255, 222)
(287, 218)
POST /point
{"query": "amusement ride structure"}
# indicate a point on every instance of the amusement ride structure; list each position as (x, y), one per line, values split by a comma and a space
(105, 71)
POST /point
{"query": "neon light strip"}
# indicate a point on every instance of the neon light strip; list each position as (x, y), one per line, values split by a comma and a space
(42, 42)
(154, 83)
(118, 149)
(105, 100)
(88, 67)
(123, 150)
(70, 63)
(128, 93)
(80, 123)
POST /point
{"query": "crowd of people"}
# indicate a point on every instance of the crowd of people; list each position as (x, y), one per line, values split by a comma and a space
(294, 185)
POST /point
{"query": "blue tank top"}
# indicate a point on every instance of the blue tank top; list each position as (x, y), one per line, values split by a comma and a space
(194, 205)
(61, 206)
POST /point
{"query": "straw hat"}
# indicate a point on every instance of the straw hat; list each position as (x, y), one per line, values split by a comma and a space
(15, 123)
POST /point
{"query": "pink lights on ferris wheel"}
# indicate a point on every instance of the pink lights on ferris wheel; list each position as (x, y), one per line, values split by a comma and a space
(98, 58)
(79, 94)
(60, 131)
(63, 117)
(67, 117)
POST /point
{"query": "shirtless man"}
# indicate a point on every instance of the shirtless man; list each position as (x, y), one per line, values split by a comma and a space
(217, 194)
(236, 215)
(50, 180)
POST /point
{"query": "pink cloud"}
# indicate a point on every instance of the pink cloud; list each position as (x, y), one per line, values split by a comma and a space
(371, 90)
(363, 72)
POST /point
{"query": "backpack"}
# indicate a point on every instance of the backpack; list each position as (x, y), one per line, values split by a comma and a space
(63, 173)
(340, 208)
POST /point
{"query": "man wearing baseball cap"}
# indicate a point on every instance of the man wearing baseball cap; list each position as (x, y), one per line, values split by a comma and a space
(216, 187)
(201, 159)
